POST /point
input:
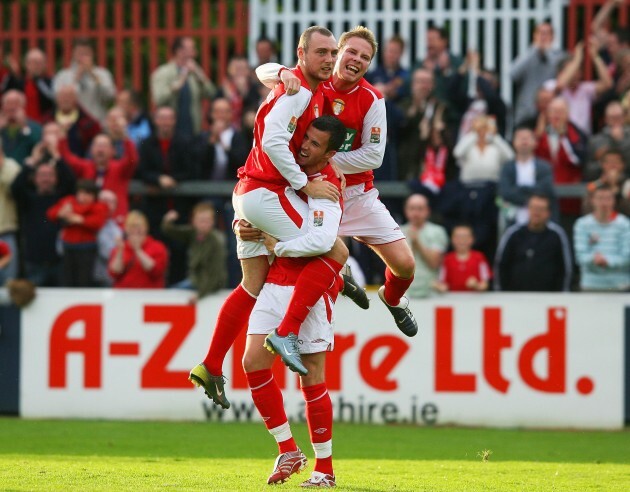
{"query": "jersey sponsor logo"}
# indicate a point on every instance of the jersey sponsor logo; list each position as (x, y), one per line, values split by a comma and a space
(338, 105)
(316, 110)
(318, 218)
(375, 135)
(292, 125)
(347, 143)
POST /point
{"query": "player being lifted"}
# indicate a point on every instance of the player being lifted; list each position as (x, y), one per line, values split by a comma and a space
(361, 108)
(323, 137)
(266, 197)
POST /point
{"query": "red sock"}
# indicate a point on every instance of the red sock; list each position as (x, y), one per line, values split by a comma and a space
(316, 277)
(232, 319)
(319, 415)
(395, 287)
(268, 400)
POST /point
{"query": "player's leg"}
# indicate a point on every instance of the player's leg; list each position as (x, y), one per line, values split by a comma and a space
(366, 218)
(316, 277)
(319, 416)
(231, 321)
(266, 394)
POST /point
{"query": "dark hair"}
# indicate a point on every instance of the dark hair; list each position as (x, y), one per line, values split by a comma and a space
(88, 186)
(613, 151)
(397, 39)
(523, 127)
(265, 39)
(177, 43)
(86, 42)
(335, 129)
(441, 32)
(541, 196)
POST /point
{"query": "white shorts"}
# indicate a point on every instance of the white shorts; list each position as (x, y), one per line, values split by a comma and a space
(316, 334)
(366, 218)
(281, 216)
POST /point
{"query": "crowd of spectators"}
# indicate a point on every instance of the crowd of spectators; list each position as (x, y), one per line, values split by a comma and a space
(483, 210)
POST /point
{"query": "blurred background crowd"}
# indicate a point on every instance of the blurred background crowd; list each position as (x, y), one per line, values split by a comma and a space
(483, 210)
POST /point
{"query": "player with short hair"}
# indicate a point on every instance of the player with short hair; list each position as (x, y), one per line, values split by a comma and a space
(362, 110)
(322, 138)
(266, 197)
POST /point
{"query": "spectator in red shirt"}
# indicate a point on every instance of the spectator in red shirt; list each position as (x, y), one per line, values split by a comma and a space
(109, 173)
(464, 269)
(5, 259)
(36, 86)
(81, 217)
(138, 262)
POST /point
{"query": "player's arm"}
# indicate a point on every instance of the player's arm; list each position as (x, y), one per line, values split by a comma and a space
(271, 74)
(279, 128)
(373, 140)
(323, 226)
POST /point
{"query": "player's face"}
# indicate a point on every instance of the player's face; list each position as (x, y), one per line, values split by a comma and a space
(314, 149)
(354, 60)
(319, 59)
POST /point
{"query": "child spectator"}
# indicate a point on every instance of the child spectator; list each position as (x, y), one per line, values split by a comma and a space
(5, 259)
(434, 167)
(613, 176)
(81, 217)
(207, 251)
(464, 269)
(139, 261)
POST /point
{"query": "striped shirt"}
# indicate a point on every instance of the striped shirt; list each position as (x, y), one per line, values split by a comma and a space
(612, 241)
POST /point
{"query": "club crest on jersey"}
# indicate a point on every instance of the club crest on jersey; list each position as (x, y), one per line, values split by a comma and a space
(318, 218)
(316, 110)
(292, 125)
(375, 135)
(338, 106)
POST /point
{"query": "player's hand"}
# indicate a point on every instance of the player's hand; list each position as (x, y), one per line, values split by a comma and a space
(340, 176)
(291, 82)
(246, 232)
(318, 188)
(270, 242)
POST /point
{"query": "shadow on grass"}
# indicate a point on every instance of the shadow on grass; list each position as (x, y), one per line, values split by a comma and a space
(178, 441)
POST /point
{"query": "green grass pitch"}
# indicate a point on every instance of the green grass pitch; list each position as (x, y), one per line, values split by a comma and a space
(107, 456)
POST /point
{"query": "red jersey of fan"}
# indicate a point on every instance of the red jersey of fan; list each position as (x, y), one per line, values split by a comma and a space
(4, 249)
(94, 217)
(362, 111)
(455, 272)
(280, 125)
(115, 177)
(133, 275)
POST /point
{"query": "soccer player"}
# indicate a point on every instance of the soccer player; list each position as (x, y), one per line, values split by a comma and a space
(266, 196)
(323, 137)
(361, 108)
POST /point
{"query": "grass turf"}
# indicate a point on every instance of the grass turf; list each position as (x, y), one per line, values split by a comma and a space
(95, 455)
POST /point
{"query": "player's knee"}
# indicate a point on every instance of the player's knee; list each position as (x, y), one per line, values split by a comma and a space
(250, 364)
(407, 266)
(339, 252)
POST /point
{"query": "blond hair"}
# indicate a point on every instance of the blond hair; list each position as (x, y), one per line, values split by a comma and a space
(359, 32)
(136, 217)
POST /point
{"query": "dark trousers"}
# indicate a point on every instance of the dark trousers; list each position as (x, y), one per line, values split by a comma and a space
(78, 265)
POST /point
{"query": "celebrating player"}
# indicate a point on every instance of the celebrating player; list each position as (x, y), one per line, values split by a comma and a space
(266, 197)
(361, 108)
(323, 137)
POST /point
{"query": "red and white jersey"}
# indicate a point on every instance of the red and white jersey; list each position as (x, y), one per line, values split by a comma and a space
(280, 125)
(322, 223)
(455, 272)
(362, 111)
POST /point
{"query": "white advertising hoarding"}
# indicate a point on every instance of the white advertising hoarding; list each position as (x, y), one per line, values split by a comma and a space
(538, 360)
